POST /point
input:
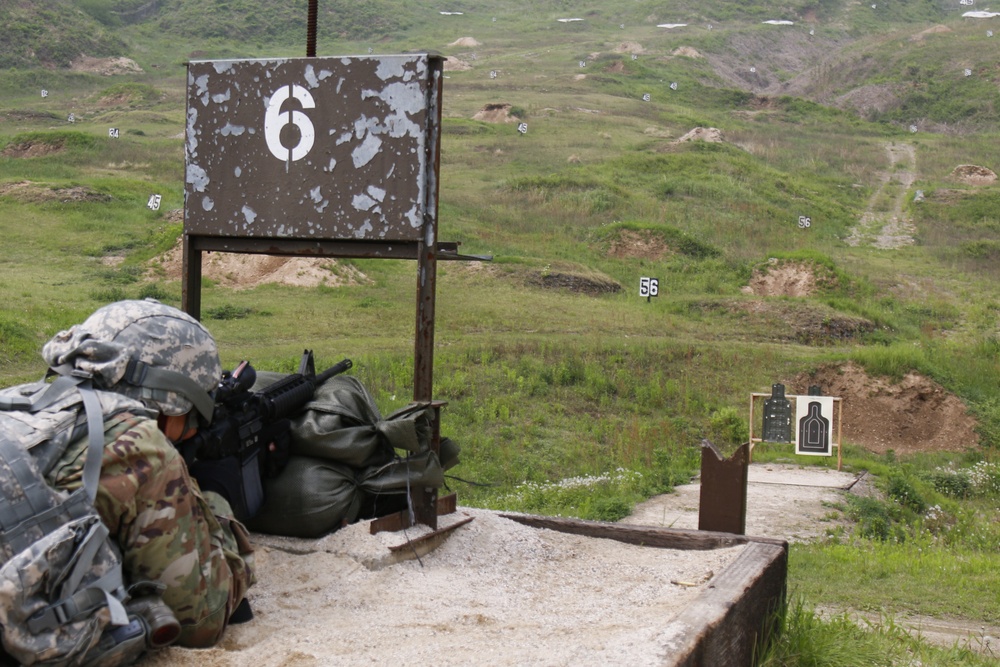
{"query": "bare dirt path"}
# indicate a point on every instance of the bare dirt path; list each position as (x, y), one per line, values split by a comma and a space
(793, 503)
(785, 502)
(884, 224)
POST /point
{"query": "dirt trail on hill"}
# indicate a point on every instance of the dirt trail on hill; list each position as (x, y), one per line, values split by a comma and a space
(889, 229)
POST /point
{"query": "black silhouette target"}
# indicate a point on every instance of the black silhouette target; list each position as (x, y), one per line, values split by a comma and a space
(814, 415)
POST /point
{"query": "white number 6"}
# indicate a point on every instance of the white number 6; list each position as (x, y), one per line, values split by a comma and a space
(275, 120)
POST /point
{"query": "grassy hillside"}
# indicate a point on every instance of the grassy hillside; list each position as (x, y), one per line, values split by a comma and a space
(553, 366)
(51, 34)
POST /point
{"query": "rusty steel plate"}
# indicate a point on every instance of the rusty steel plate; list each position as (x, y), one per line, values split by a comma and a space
(312, 148)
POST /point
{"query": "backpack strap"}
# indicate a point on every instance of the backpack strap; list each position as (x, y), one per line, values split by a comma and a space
(83, 602)
(25, 495)
(95, 444)
(52, 392)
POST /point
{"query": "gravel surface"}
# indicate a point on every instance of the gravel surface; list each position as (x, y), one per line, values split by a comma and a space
(785, 502)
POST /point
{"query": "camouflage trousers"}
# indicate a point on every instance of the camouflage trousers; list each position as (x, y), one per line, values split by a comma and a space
(168, 530)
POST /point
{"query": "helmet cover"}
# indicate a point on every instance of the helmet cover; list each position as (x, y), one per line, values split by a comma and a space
(159, 335)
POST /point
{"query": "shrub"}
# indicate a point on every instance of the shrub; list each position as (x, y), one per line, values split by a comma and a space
(153, 291)
(872, 516)
(729, 425)
(983, 249)
(609, 509)
(901, 489)
(952, 483)
(229, 312)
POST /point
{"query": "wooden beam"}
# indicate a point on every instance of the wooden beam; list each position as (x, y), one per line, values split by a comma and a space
(728, 623)
(664, 538)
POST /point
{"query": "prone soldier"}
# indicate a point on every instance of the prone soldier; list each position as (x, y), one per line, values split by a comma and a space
(184, 540)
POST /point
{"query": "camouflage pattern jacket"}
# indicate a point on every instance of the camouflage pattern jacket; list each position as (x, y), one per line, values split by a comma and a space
(167, 529)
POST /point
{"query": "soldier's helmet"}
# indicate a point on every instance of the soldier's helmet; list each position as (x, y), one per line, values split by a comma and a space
(145, 350)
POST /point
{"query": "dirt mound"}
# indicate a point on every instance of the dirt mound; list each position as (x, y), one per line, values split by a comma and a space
(934, 30)
(582, 283)
(452, 64)
(973, 175)
(629, 47)
(948, 195)
(631, 244)
(804, 322)
(25, 114)
(33, 149)
(105, 66)
(913, 415)
(801, 322)
(466, 41)
(782, 279)
(875, 98)
(28, 192)
(686, 52)
(496, 113)
(244, 271)
(710, 134)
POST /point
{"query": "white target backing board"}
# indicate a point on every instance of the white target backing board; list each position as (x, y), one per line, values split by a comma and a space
(813, 425)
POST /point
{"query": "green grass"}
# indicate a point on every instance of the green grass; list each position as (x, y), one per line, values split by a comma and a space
(806, 637)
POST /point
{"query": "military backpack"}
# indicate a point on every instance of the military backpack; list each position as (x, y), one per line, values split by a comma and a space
(63, 600)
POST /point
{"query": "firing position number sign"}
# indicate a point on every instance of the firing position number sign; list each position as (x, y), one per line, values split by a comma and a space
(312, 148)
(649, 287)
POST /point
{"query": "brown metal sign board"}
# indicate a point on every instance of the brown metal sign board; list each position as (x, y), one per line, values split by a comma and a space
(313, 148)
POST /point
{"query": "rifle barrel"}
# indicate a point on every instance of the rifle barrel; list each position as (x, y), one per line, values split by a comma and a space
(336, 369)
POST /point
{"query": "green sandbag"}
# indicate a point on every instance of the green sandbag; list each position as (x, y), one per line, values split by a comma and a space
(341, 423)
(311, 497)
(405, 473)
(343, 459)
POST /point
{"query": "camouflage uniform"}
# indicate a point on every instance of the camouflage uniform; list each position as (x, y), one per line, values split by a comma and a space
(168, 530)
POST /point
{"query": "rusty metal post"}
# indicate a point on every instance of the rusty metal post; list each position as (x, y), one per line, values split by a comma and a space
(723, 503)
(424, 500)
(191, 278)
(423, 346)
(427, 247)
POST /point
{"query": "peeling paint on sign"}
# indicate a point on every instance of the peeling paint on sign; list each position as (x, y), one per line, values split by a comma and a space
(330, 148)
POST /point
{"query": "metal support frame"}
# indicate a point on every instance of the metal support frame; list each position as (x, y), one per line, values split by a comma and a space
(396, 240)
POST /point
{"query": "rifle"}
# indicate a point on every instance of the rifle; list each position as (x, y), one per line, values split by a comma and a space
(248, 436)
